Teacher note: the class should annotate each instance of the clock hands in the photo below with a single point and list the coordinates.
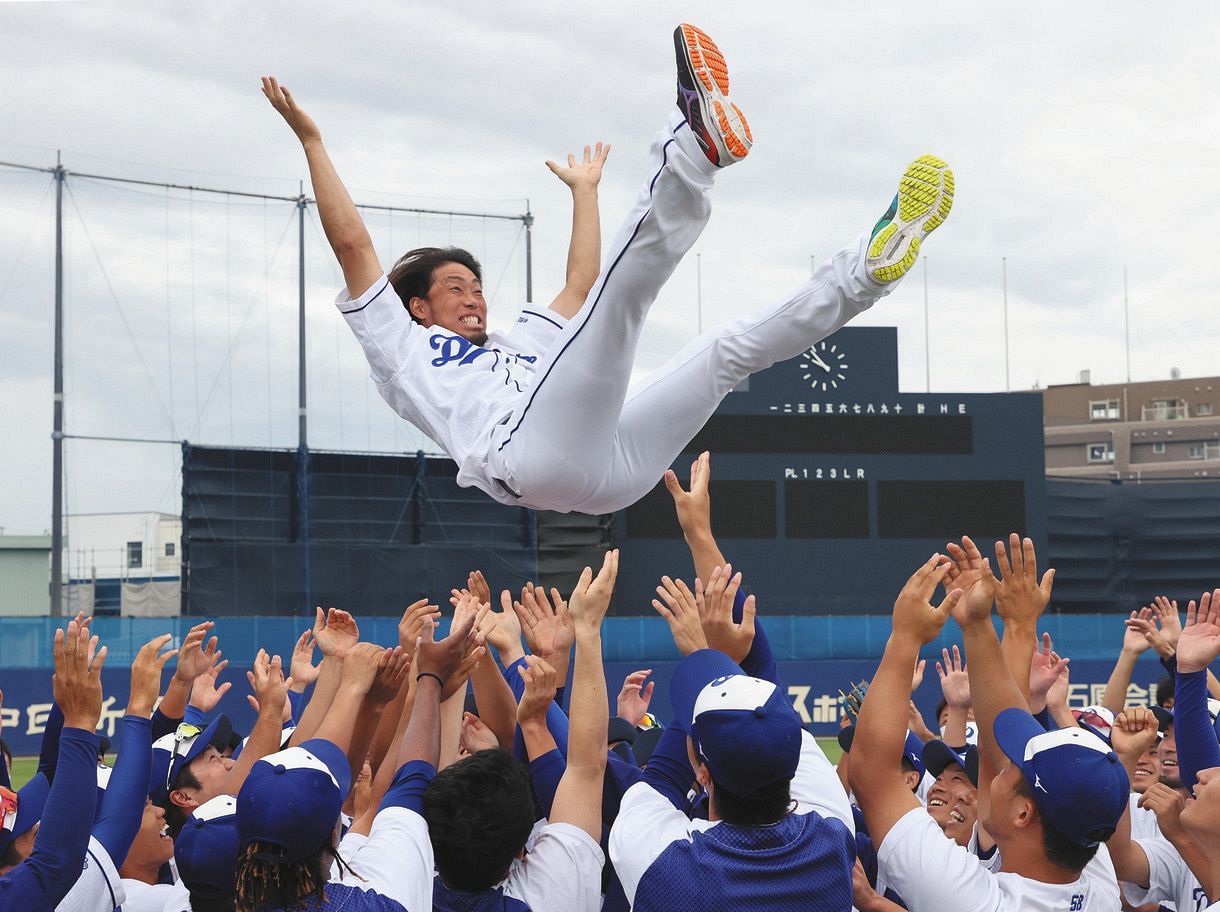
(816, 359)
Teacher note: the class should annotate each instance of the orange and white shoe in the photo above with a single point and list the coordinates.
(703, 98)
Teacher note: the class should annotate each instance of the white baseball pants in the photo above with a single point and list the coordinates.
(577, 443)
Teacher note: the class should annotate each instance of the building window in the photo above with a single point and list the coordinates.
(1197, 451)
(135, 555)
(1103, 410)
(1158, 447)
(1203, 409)
(169, 547)
(1101, 452)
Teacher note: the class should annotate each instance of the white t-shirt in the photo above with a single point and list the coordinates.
(142, 897)
(562, 871)
(1169, 879)
(935, 874)
(99, 888)
(454, 391)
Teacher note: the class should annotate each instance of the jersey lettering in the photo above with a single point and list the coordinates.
(454, 348)
(1077, 903)
(1200, 898)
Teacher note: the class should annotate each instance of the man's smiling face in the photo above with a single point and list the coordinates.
(454, 302)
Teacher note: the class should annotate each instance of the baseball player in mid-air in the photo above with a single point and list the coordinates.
(539, 417)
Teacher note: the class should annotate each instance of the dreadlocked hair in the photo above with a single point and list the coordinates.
(263, 882)
(275, 884)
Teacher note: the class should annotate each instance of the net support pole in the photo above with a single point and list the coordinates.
(528, 219)
(304, 532)
(57, 420)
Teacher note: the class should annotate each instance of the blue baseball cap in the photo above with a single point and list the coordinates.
(939, 756)
(176, 751)
(912, 750)
(743, 728)
(206, 849)
(1077, 781)
(291, 799)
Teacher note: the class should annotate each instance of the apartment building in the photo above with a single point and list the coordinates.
(1151, 429)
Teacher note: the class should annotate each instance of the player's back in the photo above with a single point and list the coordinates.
(339, 897)
(802, 862)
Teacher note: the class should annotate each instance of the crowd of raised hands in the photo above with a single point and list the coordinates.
(484, 766)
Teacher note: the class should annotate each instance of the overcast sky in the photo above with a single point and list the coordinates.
(1084, 138)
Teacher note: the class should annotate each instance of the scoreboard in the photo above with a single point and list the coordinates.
(829, 486)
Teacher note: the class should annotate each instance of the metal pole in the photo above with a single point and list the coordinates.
(1127, 324)
(529, 253)
(57, 421)
(301, 413)
(1004, 268)
(927, 333)
(699, 291)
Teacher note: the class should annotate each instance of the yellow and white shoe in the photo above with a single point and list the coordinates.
(925, 196)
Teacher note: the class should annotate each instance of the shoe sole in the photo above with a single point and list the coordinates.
(727, 123)
(925, 196)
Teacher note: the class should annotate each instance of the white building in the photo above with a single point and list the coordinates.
(124, 563)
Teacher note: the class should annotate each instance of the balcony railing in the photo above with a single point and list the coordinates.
(1163, 412)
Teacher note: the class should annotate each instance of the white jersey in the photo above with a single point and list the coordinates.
(454, 391)
(935, 874)
(99, 887)
(1143, 820)
(1169, 879)
(142, 897)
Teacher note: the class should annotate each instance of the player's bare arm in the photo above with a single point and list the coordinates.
(344, 228)
(875, 772)
(585, 248)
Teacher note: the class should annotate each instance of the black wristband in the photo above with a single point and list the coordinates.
(428, 674)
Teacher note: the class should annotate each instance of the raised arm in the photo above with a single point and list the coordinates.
(875, 771)
(585, 248)
(1114, 698)
(578, 800)
(344, 228)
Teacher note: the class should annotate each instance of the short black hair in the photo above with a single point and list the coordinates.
(480, 812)
(175, 816)
(1164, 690)
(940, 708)
(767, 805)
(1060, 850)
(412, 274)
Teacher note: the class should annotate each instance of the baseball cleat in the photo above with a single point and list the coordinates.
(925, 196)
(703, 98)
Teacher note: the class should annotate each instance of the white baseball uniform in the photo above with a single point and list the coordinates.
(935, 874)
(540, 417)
(99, 888)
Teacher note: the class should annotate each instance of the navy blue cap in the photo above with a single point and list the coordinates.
(292, 799)
(743, 728)
(1077, 782)
(174, 752)
(206, 849)
(938, 756)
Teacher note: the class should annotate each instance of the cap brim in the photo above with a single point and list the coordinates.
(937, 756)
(1015, 728)
(694, 673)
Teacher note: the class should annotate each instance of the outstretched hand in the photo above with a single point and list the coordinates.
(591, 598)
(694, 507)
(635, 695)
(146, 675)
(335, 631)
(680, 610)
(281, 99)
(914, 615)
(1020, 595)
(715, 602)
(587, 172)
(1199, 643)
